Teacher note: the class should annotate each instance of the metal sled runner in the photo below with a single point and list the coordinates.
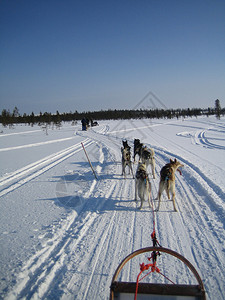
(120, 290)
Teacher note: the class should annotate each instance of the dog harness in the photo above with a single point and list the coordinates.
(167, 172)
(142, 174)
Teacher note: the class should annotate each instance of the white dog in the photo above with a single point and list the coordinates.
(148, 157)
(167, 180)
(142, 184)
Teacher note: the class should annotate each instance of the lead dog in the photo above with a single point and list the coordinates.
(126, 159)
(142, 184)
(147, 156)
(125, 144)
(167, 180)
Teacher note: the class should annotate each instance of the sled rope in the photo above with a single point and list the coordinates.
(144, 267)
(153, 257)
(153, 267)
(153, 235)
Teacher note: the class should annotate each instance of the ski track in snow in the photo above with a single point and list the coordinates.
(36, 144)
(79, 259)
(19, 177)
(19, 133)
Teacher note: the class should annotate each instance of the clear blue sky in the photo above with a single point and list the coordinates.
(92, 55)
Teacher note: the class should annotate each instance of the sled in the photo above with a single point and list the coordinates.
(120, 290)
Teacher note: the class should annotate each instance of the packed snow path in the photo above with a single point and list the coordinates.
(63, 233)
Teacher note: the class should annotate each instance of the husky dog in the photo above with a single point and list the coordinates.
(167, 180)
(147, 156)
(125, 145)
(142, 184)
(137, 148)
(126, 159)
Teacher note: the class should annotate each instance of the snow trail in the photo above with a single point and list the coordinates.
(19, 133)
(78, 256)
(42, 166)
(36, 144)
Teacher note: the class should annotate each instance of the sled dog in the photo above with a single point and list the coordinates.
(126, 159)
(142, 184)
(148, 157)
(125, 145)
(137, 148)
(167, 180)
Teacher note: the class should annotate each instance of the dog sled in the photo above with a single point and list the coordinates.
(120, 290)
(152, 289)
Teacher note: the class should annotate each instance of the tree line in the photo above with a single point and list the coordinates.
(8, 118)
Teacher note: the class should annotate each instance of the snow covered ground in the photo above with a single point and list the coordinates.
(63, 233)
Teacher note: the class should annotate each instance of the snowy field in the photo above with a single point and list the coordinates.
(63, 233)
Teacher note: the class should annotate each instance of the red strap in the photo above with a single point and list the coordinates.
(179, 171)
(144, 267)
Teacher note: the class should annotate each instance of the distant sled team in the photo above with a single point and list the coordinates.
(142, 183)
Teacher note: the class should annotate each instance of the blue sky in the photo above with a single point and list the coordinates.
(90, 55)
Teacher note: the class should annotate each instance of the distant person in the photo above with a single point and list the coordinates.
(84, 124)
